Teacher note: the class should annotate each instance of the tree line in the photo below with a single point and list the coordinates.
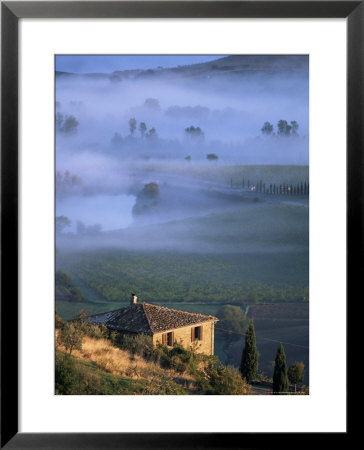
(282, 375)
(273, 188)
(283, 128)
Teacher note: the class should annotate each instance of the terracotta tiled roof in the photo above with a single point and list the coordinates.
(148, 319)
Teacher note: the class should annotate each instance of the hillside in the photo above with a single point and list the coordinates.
(238, 65)
(127, 373)
(131, 365)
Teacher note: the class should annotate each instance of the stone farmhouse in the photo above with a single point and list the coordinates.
(164, 325)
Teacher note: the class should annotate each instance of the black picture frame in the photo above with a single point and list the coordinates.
(11, 12)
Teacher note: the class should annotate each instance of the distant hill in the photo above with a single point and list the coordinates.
(236, 65)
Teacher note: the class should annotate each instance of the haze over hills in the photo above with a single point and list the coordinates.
(235, 64)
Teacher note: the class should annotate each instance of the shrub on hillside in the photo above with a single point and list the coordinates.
(217, 379)
(139, 344)
(66, 376)
(58, 322)
(73, 378)
(87, 328)
(163, 387)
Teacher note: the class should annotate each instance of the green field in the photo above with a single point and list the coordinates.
(227, 174)
(255, 253)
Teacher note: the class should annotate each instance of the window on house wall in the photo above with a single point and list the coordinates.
(196, 333)
(168, 338)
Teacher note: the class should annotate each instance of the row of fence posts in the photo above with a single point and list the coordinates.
(273, 189)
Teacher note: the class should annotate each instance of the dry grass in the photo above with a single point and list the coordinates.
(120, 362)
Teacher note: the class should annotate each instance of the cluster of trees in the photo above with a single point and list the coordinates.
(194, 133)
(63, 222)
(151, 104)
(66, 124)
(209, 157)
(67, 183)
(64, 280)
(232, 318)
(147, 199)
(142, 129)
(282, 375)
(283, 128)
(67, 179)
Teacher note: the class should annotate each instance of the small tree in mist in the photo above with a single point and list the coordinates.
(152, 103)
(142, 129)
(283, 128)
(152, 133)
(267, 128)
(249, 360)
(212, 157)
(150, 190)
(62, 222)
(280, 375)
(296, 373)
(117, 139)
(69, 125)
(294, 126)
(132, 125)
(59, 120)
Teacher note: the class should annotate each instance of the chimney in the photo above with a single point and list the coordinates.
(133, 299)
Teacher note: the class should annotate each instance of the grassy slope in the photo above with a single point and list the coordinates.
(123, 373)
(108, 384)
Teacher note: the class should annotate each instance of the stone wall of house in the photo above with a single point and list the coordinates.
(183, 336)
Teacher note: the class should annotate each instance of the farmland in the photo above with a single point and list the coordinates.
(244, 251)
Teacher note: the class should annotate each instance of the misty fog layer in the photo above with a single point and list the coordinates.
(180, 131)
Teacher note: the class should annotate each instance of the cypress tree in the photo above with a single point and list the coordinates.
(280, 375)
(249, 360)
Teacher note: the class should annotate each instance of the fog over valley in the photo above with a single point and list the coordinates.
(187, 185)
(181, 128)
